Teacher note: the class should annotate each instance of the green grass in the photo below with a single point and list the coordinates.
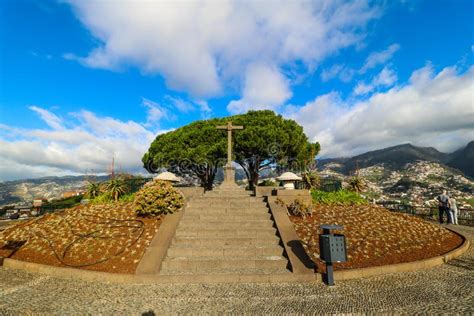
(129, 197)
(469, 201)
(105, 198)
(64, 203)
(337, 197)
(102, 198)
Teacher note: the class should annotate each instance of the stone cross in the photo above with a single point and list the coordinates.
(229, 127)
(229, 170)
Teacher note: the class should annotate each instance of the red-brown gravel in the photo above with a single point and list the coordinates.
(375, 236)
(108, 238)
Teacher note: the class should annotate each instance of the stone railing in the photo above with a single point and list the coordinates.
(465, 215)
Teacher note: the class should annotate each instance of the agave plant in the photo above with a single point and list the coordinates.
(116, 187)
(93, 189)
(356, 184)
(310, 180)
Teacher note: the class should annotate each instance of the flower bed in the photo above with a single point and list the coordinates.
(104, 237)
(375, 236)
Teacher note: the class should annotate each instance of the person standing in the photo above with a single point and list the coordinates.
(443, 206)
(454, 210)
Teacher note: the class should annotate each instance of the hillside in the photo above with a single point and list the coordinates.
(19, 191)
(24, 191)
(407, 173)
(463, 160)
(396, 157)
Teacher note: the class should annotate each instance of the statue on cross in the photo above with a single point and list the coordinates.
(228, 169)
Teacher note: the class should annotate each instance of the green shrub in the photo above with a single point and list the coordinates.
(267, 183)
(337, 197)
(158, 198)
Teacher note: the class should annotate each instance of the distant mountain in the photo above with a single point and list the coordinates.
(25, 190)
(397, 157)
(463, 160)
(22, 191)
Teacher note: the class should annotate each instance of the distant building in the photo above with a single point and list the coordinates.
(68, 194)
(20, 210)
(38, 202)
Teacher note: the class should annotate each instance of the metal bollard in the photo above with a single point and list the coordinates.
(332, 248)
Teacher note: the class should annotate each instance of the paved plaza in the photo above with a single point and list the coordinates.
(445, 289)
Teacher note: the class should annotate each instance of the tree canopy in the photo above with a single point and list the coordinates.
(195, 149)
(200, 149)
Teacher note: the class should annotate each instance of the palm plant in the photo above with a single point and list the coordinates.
(116, 187)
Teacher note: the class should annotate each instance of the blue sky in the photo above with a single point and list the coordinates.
(84, 81)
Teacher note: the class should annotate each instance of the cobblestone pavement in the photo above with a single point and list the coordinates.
(445, 289)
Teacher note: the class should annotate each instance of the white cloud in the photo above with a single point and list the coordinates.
(385, 78)
(204, 107)
(431, 110)
(379, 58)
(88, 143)
(180, 104)
(200, 47)
(363, 88)
(170, 106)
(49, 118)
(345, 74)
(264, 88)
(155, 112)
(11, 170)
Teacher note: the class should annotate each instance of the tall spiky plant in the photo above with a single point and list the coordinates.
(310, 179)
(93, 189)
(116, 187)
(356, 184)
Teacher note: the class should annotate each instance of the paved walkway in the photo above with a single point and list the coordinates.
(445, 289)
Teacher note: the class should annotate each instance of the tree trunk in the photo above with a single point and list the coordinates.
(207, 179)
(253, 181)
(253, 172)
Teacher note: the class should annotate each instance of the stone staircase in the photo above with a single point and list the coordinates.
(225, 232)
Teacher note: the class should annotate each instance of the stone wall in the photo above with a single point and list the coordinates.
(285, 195)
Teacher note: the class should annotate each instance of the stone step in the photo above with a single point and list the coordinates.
(201, 241)
(229, 198)
(223, 210)
(170, 266)
(220, 204)
(231, 216)
(225, 223)
(216, 197)
(216, 232)
(228, 193)
(233, 251)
